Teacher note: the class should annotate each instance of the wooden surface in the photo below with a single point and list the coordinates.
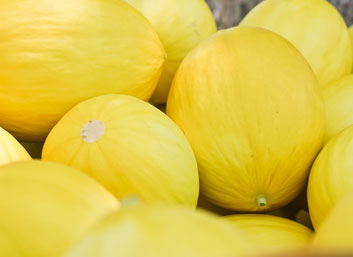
(228, 13)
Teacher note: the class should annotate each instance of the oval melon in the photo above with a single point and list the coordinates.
(315, 27)
(142, 231)
(272, 234)
(46, 207)
(331, 176)
(181, 25)
(129, 146)
(253, 114)
(55, 54)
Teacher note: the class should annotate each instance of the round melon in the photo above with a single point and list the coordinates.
(338, 106)
(10, 149)
(315, 27)
(181, 25)
(331, 176)
(130, 147)
(335, 234)
(141, 231)
(272, 234)
(251, 108)
(55, 54)
(46, 207)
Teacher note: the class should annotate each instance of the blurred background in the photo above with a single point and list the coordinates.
(228, 13)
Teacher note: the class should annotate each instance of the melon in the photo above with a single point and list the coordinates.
(130, 147)
(252, 110)
(272, 234)
(55, 54)
(150, 231)
(46, 207)
(315, 27)
(10, 149)
(331, 176)
(338, 106)
(181, 25)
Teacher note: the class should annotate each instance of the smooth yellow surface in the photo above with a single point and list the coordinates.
(55, 54)
(338, 98)
(315, 27)
(181, 25)
(10, 149)
(272, 234)
(331, 176)
(46, 207)
(162, 231)
(251, 109)
(336, 233)
(142, 152)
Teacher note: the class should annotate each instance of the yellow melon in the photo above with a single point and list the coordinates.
(335, 234)
(338, 106)
(46, 207)
(272, 234)
(331, 176)
(55, 54)
(315, 27)
(251, 108)
(129, 146)
(141, 231)
(181, 25)
(10, 149)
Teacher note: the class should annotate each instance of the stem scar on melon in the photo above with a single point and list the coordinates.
(92, 131)
(261, 200)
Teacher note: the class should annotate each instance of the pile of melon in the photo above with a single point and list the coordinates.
(155, 135)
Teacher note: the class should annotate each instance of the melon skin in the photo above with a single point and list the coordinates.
(54, 55)
(338, 106)
(272, 234)
(130, 147)
(335, 234)
(10, 149)
(181, 25)
(46, 207)
(155, 230)
(315, 28)
(331, 176)
(254, 150)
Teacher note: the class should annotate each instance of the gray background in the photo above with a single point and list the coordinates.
(229, 13)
